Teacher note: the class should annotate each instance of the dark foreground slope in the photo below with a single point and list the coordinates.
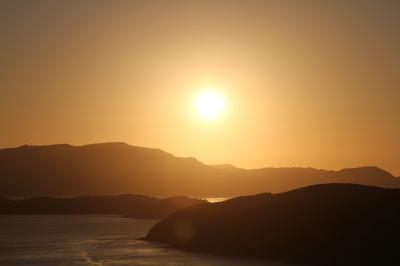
(118, 168)
(321, 224)
(132, 206)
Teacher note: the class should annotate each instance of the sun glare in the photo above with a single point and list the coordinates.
(209, 104)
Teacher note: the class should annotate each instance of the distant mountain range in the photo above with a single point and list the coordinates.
(328, 224)
(131, 206)
(118, 168)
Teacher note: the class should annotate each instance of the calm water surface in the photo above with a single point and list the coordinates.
(53, 240)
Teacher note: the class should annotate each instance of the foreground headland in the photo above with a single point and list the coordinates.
(331, 224)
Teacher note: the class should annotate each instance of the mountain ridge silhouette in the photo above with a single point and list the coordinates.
(118, 168)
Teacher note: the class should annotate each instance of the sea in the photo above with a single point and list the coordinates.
(93, 240)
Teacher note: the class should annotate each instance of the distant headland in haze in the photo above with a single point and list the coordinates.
(130, 206)
(118, 168)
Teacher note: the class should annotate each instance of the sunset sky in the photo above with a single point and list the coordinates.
(310, 84)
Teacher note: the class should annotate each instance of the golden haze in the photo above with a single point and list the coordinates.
(305, 86)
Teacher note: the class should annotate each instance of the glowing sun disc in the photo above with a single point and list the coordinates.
(209, 104)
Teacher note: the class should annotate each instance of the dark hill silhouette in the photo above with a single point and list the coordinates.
(118, 168)
(6, 205)
(163, 207)
(98, 169)
(132, 206)
(330, 224)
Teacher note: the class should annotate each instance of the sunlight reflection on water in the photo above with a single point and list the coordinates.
(91, 240)
(213, 200)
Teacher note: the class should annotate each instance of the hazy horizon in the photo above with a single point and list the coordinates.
(307, 84)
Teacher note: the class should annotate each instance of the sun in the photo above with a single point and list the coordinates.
(209, 104)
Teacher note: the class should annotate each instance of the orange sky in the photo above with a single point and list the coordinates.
(315, 83)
